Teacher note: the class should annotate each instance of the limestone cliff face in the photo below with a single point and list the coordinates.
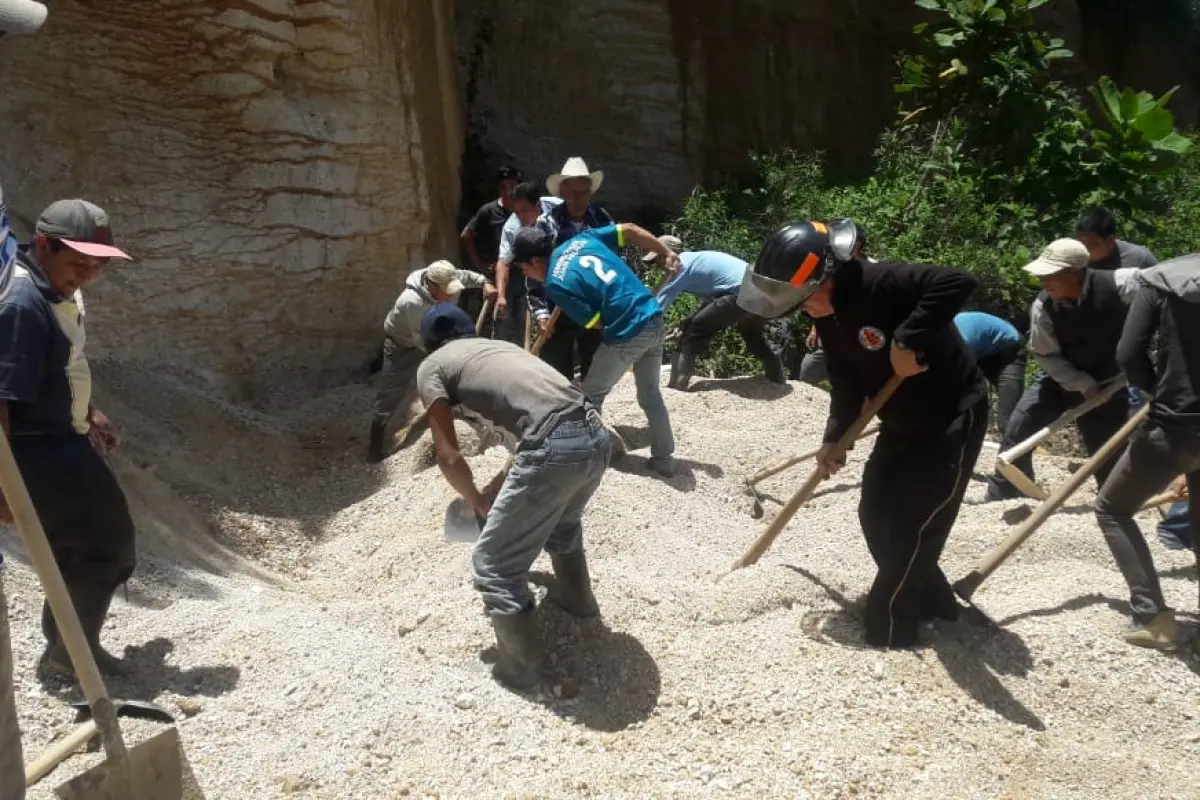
(661, 94)
(276, 166)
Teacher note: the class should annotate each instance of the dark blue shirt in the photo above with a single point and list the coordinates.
(35, 353)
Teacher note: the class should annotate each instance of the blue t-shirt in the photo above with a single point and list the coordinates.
(984, 334)
(706, 274)
(593, 286)
(36, 375)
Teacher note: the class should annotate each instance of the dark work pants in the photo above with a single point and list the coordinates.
(912, 489)
(398, 384)
(84, 513)
(698, 330)
(1154, 458)
(559, 350)
(511, 328)
(1005, 371)
(1042, 403)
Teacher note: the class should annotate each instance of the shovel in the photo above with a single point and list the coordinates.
(151, 770)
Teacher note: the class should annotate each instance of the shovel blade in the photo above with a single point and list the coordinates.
(462, 525)
(155, 773)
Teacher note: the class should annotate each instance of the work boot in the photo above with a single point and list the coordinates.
(683, 364)
(574, 590)
(1158, 633)
(375, 452)
(773, 370)
(91, 603)
(519, 649)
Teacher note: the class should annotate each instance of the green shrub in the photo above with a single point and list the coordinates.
(998, 159)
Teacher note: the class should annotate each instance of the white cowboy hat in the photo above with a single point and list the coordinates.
(575, 167)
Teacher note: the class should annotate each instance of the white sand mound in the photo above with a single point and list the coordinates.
(321, 639)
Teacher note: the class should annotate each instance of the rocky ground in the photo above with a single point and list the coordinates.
(317, 636)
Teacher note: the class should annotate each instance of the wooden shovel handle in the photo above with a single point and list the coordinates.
(58, 752)
(967, 586)
(768, 537)
(483, 315)
(69, 628)
(788, 463)
(541, 341)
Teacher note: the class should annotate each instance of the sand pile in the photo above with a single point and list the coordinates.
(320, 638)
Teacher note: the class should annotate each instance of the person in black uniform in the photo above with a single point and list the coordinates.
(875, 320)
(1074, 326)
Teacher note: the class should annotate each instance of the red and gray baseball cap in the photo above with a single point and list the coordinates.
(81, 226)
(21, 16)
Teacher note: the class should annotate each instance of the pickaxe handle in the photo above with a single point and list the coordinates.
(968, 585)
(1063, 421)
(768, 537)
(483, 315)
(788, 463)
(537, 346)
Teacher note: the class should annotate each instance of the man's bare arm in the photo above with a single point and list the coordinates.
(450, 458)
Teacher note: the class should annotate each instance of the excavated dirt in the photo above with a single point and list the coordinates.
(318, 637)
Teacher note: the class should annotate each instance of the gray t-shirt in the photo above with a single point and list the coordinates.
(500, 382)
(1126, 255)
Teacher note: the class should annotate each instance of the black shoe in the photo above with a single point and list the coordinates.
(375, 452)
(574, 589)
(682, 366)
(518, 648)
(92, 602)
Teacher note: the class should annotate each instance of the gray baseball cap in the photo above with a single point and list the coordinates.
(81, 226)
(21, 16)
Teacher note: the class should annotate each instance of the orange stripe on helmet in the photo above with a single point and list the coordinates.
(805, 270)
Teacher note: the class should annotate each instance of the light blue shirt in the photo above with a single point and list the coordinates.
(705, 273)
(985, 334)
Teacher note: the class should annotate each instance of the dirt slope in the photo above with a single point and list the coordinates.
(325, 640)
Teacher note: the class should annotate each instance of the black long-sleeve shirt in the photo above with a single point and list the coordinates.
(914, 305)
(1175, 380)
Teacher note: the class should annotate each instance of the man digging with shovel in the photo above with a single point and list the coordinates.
(877, 321)
(562, 452)
(1167, 303)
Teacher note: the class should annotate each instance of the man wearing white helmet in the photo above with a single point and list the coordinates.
(16, 17)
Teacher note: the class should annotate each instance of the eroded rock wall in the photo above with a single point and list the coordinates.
(661, 94)
(276, 166)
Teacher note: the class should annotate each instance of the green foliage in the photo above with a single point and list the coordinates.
(990, 158)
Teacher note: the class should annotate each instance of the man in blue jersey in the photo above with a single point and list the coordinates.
(715, 278)
(586, 278)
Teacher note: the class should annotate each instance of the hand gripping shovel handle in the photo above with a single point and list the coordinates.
(967, 586)
(537, 346)
(1063, 421)
(30, 527)
(768, 537)
(786, 464)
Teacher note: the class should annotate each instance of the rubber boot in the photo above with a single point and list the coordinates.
(574, 590)
(375, 452)
(92, 603)
(683, 364)
(773, 370)
(1158, 633)
(519, 649)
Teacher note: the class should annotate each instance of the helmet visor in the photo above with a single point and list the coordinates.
(769, 298)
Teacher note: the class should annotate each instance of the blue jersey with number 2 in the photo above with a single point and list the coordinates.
(594, 287)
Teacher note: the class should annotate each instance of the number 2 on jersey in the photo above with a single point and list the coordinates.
(597, 266)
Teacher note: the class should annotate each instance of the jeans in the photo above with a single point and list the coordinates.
(1154, 458)
(1005, 371)
(398, 384)
(643, 353)
(1042, 403)
(12, 768)
(1175, 531)
(540, 506)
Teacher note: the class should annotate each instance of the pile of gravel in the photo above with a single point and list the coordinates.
(319, 638)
